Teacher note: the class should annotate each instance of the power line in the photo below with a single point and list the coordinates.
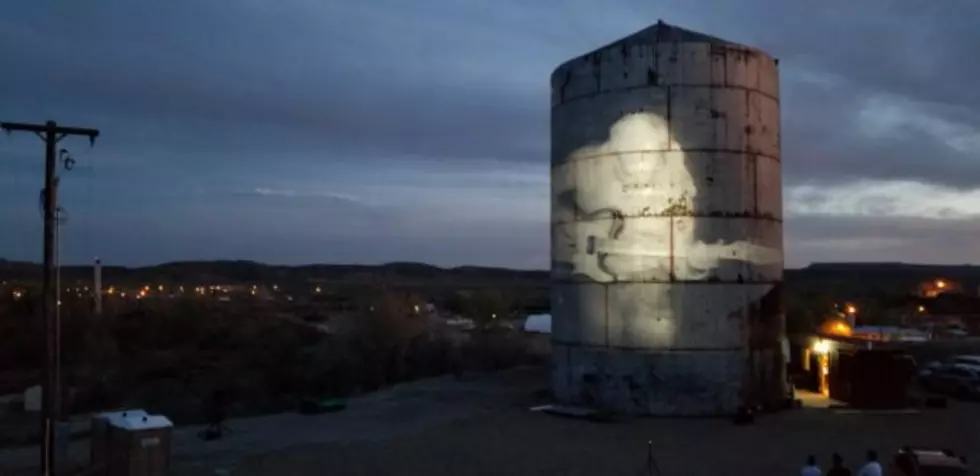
(51, 133)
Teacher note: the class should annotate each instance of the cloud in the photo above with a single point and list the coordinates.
(351, 131)
(883, 199)
(871, 238)
(269, 192)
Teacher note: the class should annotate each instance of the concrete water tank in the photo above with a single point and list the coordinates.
(667, 239)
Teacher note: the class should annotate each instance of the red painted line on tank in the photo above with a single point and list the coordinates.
(672, 274)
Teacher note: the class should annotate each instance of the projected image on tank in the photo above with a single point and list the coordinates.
(624, 211)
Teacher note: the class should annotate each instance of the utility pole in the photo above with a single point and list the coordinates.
(51, 133)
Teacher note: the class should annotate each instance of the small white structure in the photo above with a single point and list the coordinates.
(142, 422)
(32, 399)
(538, 323)
(461, 323)
(890, 334)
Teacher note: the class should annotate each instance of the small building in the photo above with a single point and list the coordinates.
(860, 372)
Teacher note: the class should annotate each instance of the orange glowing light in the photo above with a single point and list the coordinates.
(940, 284)
(851, 309)
(836, 327)
(922, 309)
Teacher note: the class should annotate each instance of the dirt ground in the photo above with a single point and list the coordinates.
(482, 426)
(516, 442)
(503, 437)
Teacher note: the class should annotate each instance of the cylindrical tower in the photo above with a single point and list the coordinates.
(666, 230)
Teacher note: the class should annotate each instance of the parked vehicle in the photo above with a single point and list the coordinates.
(957, 379)
(929, 368)
(973, 360)
(926, 462)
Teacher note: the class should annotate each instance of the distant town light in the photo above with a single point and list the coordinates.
(317, 290)
(851, 309)
(18, 294)
(416, 308)
(160, 288)
(940, 284)
(922, 309)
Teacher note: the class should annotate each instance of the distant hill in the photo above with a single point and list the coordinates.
(246, 272)
(880, 277)
(834, 277)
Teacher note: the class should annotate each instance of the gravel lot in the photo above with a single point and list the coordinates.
(481, 426)
(502, 437)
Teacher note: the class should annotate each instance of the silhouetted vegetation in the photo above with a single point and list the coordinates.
(170, 356)
(172, 359)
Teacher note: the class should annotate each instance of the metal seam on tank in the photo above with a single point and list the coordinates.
(720, 216)
(650, 350)
(724, 67)
(617, 154)
(672, 275)
(605, 312)
(755, 185)
(733, 87)
(685, 282)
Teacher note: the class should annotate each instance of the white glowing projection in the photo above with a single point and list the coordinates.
(624, 212)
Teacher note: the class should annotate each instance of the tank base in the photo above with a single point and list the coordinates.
(675, 383)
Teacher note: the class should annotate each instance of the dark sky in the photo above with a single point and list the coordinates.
(298, 131)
